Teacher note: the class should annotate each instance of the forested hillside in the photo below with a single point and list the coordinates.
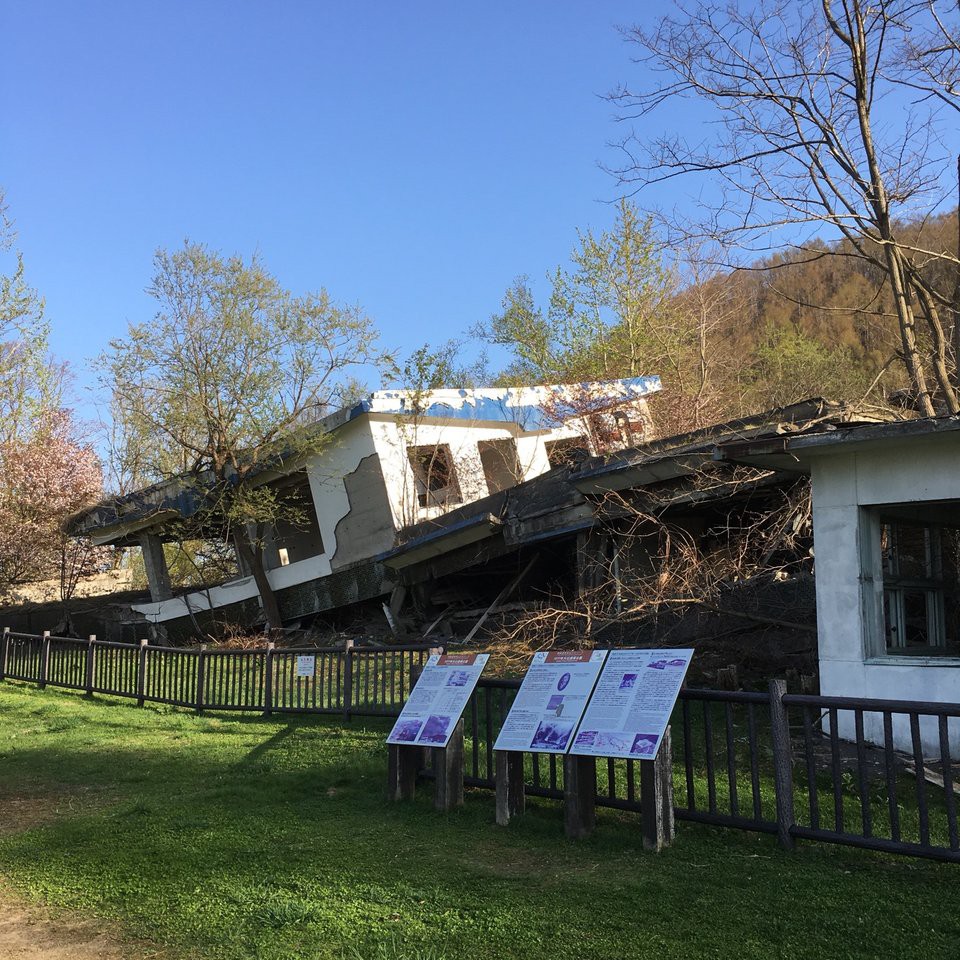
(725, 342)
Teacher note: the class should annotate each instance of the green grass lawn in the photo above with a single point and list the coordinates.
(229, 837)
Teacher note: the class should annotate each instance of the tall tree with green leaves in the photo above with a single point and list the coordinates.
(224, 383)
(604, 319)
(621, 309)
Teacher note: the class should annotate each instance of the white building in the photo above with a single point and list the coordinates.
(886, 523)
(393, 460)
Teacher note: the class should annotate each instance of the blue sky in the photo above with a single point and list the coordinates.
(411, 157)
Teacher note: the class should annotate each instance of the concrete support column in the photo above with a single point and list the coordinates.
(155, 565)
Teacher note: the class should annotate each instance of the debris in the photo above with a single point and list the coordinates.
(501, 596)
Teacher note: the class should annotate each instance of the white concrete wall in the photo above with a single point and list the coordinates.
(340, 457)
(922, 469)
(393, 435)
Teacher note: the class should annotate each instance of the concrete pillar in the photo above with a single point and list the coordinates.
(155, 565)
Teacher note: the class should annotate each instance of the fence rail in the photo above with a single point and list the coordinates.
(879, 774)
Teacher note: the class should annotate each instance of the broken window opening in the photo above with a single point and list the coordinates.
(434, 475)
(296, 534)
(501, 463)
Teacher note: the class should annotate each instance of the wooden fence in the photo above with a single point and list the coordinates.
(770, 761)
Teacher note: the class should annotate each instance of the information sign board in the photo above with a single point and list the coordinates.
(438, 699)
(550, 701)
(306, 666)
(631, 703)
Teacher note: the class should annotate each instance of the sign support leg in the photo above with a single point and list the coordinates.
(656, 797)
(511, 794)
(448, 767)
(403, 765)
(579, 796)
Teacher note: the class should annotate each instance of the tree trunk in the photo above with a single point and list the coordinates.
(908, 331)
(253, 560)
(941, 365)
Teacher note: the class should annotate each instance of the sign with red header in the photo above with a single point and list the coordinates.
(437, 701)
(550, 701)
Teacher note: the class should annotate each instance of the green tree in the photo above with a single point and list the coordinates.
(31, 384)
(619, 310)
(604, 320)
(789, 366)
(224, 383)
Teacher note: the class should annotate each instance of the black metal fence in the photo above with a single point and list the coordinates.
(367, 680)
(879, 774)
(797, 766)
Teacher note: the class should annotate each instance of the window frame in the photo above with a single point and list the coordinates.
(882, 594)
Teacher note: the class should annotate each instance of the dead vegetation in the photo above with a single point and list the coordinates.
(656, 570)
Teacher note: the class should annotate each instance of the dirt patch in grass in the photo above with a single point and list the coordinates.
(33, 933)
(27, 810)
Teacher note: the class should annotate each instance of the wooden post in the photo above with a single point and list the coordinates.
(201, 677)
(268, 681)
(656, 797)
(347, 677)
(142, 673)
(403, 765)
(511, 792)
(782, 763)
(448, 770)
(89, 664)
(5, 653)
(579, 796)
(44, 659)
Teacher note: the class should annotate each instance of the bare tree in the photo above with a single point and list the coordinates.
(819, 131)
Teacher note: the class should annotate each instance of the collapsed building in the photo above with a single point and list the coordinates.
(393, 460)
(663, 542)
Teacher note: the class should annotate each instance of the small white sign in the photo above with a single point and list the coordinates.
(437, 701)
(631, 704)
(306, 666)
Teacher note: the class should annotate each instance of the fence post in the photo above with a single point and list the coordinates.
(268, 681)
(5, 653)
(44, 659)
(201, 677)
(656, 797)
(782, 763)
(88, 672)
(142, 673)
(347, 677)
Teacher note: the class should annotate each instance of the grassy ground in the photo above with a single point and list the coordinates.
(223, 837)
